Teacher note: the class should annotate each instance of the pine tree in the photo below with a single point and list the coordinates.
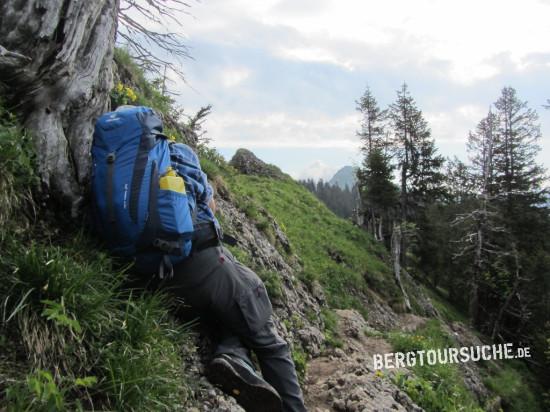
(481, 147)
(458, 183)
(518, 178)
(372, 122)
(427, 181)
(415, 152)
(521, 197)
(372, 136)
(378, 192)
(419, 165)
(484, 245)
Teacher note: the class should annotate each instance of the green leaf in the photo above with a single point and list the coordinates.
(86, 382)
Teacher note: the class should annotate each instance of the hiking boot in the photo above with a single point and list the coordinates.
(238, 379)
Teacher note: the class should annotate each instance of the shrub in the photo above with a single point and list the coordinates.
(273, 283)
(299, 357)
(330, 320)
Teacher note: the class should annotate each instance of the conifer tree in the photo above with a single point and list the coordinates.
(378, 192)
(518, 177)
(458, 184)
(372, 122)
(484, 244)
(418, 163)
(372, 136)
(415, 152)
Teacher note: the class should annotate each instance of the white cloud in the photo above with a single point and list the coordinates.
(450, 128)
(232, 77)
(316, 171)
(313, 54)
(360, 34)
(281, 129)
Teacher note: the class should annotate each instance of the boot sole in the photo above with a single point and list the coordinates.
(252, 397)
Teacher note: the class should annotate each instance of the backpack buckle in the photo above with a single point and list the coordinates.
(169, 246)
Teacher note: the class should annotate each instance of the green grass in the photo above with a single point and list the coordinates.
(147, 91)
(62, 307)
(330, 320)
(17, 172)
(299, 357)
(439, 387)
(273, 283)
(343, 258)
(445, 308)
(514, 384)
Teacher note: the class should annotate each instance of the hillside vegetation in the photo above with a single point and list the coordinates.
(336, 253)
(75, 336)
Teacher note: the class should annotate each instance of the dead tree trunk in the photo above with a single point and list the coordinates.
(396, 241)
(55, 73)
(508, 300)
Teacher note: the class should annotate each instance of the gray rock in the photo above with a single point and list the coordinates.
(312, 339)
(247, 163)
(317, 292)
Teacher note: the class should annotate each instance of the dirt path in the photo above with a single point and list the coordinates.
(345, 380)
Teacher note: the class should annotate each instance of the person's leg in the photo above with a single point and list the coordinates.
(277, 366)
(230, 344)
(260, 336)
(214, 282)
(199, 282)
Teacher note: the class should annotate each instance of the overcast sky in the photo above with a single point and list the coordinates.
(283, 75)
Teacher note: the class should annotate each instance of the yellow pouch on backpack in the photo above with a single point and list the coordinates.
(171, 181)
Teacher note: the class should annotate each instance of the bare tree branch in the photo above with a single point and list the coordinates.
(154, 49)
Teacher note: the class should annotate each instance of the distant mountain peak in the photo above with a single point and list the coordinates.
(344, 177)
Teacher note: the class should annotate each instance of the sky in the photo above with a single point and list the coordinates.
(283, 75)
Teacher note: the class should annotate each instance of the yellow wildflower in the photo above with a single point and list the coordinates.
(379, 373)
(130, 94)
(119, 87)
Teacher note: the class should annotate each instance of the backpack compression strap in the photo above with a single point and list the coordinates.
(146, 143)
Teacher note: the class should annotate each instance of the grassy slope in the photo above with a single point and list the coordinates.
(345, 260)
(509, 380)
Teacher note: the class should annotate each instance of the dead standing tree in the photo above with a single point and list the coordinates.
(141, 31)
(485, 247)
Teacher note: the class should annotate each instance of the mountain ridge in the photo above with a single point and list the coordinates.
(344, 177)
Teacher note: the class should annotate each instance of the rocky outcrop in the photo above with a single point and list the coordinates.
(247, 163)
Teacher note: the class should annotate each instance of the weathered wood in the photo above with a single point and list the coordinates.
(396, 241)
(56, 73)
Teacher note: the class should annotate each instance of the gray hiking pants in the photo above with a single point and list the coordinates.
(217, 286)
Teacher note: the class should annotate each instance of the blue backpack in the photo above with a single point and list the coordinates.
(139, 200)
